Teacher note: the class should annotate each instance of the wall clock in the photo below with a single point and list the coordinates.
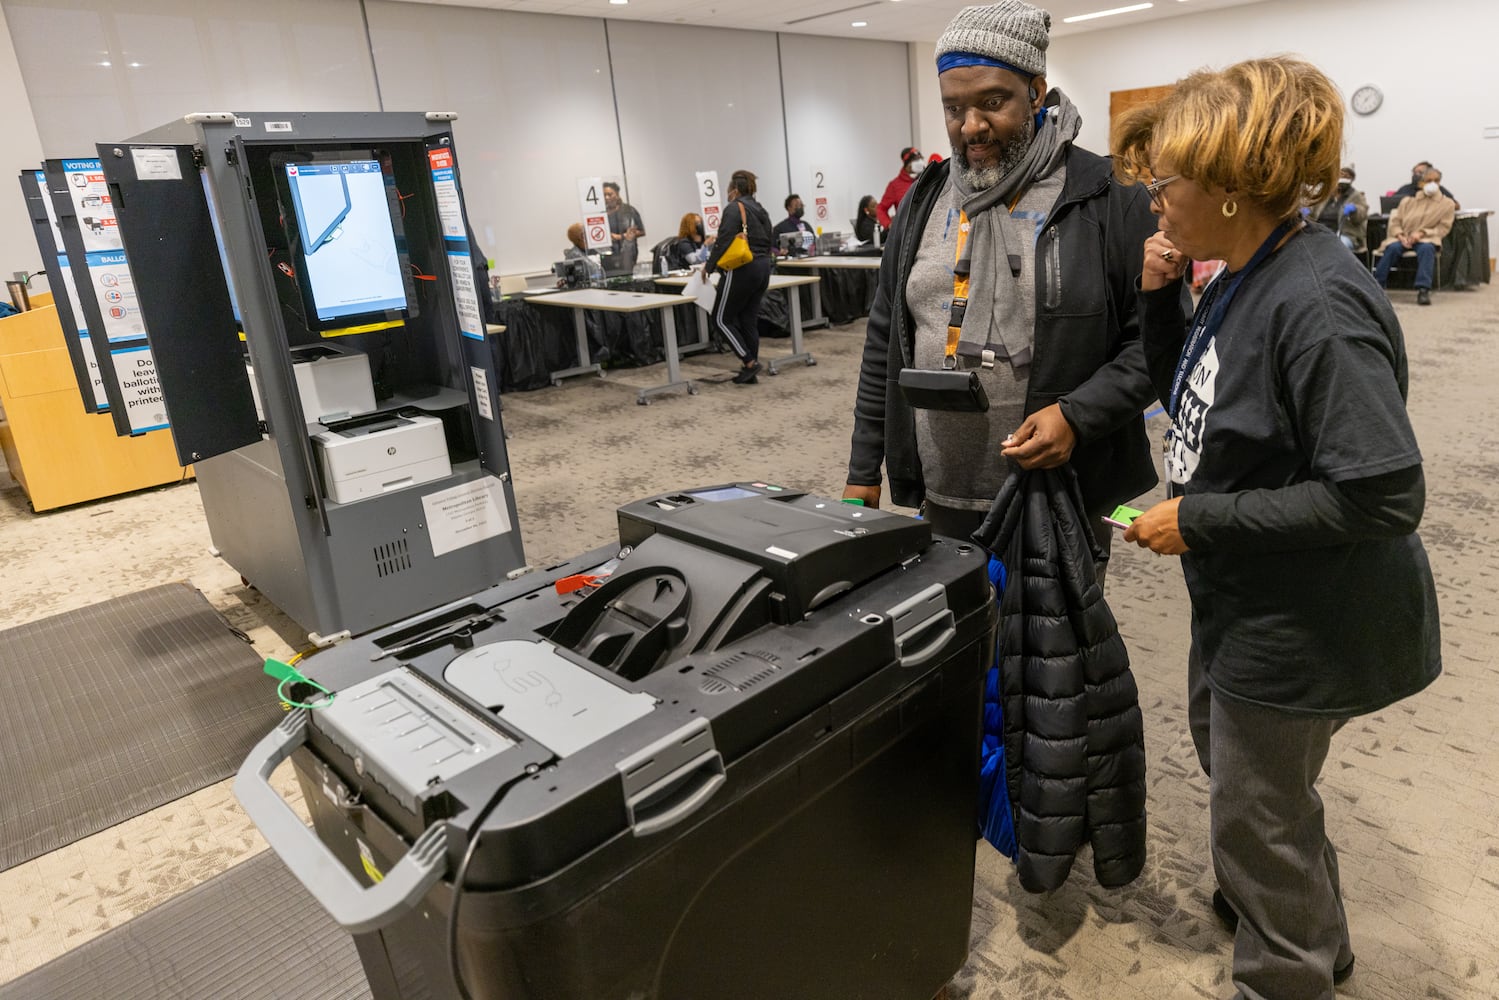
(1367, 99)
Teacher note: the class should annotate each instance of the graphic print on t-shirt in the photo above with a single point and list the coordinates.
(1185, 448)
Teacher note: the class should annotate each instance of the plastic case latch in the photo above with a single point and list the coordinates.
(669, 780)
(923, 625)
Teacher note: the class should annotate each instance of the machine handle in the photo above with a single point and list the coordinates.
(357, 908)
(945, 629)
(702, 777)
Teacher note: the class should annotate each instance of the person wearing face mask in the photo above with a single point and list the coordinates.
(1345, 211)
(793, 222)
(1418, 178)
(1050, 259)
(1419, 223)
(691, 245)
(911, 166)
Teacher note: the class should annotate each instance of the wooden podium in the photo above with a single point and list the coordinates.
(58, 452)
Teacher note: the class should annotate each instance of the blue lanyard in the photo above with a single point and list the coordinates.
(1213, 308)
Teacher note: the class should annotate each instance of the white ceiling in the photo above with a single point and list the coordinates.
(893, 20)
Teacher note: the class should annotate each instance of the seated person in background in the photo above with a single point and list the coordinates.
(911, 166)
(627, 226)
(1418, 178)
(793, 222)
(866, 221)
(1346, 212)
(579, 251)
(691, 245)
(1418, 224)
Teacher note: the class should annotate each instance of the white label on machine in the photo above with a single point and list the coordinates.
(481, 392)
(135, 369)
(466, 515)
(449, 206)
(711, 199)
(156, 164)
(461, 269)
(92, 204)
(109, 274)
(113, 288)
(781, 553)
(278, 126)
(595, 215)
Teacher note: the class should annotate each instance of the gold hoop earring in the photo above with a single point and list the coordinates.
(1230, 208)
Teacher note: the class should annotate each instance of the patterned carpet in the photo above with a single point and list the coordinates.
(1410, 791)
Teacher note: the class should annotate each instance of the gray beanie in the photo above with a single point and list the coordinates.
(1012, 32)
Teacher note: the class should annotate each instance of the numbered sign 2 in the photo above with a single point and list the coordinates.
(822, 198)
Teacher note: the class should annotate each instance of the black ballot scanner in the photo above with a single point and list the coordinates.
(732, 757)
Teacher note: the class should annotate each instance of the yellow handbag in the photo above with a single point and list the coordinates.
(738, 253)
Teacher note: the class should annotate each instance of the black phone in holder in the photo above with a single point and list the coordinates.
(954, 391)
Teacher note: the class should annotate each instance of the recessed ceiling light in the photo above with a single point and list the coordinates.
(104, 63)
(619, 3)
(1108, 13)
(861, 24)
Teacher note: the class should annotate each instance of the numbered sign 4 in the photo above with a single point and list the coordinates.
(594, 216)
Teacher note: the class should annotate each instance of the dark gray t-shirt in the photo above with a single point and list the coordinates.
(1305, 380)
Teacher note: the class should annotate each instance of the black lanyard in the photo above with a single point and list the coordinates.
(1212, 310)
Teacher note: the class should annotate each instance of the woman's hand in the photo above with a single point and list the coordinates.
(1157, 529)
(1164, 263)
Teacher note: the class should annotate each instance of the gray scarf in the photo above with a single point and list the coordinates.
(994, 237)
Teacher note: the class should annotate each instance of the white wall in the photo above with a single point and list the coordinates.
(535, 110)
(535, 95)
(926, 101)
(1435, 112)
(694, 99)
(18, 250)
(102, 70)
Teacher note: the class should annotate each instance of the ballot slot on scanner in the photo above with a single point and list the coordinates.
(651, 738)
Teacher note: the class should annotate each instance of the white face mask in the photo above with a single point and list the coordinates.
(1432, 188)
(916, 167)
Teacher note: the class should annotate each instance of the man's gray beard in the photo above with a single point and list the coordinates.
(1010, 155)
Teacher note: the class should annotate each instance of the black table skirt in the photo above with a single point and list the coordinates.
(1465, 253)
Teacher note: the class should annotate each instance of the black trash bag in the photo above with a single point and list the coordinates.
(775, 314)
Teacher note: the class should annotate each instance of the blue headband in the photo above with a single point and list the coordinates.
(952, 60)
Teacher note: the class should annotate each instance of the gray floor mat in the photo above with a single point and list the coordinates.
(118, 708)
(252, 933)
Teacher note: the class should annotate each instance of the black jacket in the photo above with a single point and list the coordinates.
(760, 232)
(1087, 355)
(1073, 734)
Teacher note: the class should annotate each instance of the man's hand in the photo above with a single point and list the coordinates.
(1044, 441)
(1157, 529)
(633, 233)
(869, 494)
(1164, 263)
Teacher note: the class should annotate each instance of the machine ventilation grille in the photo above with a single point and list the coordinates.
(392, 558)
(739, 672)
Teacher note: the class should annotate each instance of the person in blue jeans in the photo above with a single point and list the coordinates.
(1419, 223)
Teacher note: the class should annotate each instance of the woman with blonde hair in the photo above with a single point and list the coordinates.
(1295, 489)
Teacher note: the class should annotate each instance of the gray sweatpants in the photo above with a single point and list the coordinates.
(1271, 854)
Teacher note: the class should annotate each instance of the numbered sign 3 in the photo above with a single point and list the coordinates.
(710, 196)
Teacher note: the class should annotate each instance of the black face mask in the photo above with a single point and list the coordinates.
(1416, 179)
(1343, 186)
(701, 234)
(798, 212)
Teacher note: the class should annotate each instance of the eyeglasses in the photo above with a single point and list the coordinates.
(1154, 188)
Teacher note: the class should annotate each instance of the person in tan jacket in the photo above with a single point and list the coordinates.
(1418, 224)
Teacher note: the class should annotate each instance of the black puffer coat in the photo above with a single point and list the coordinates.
(1074, 739)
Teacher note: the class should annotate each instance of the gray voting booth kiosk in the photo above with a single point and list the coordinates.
(309, 296)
